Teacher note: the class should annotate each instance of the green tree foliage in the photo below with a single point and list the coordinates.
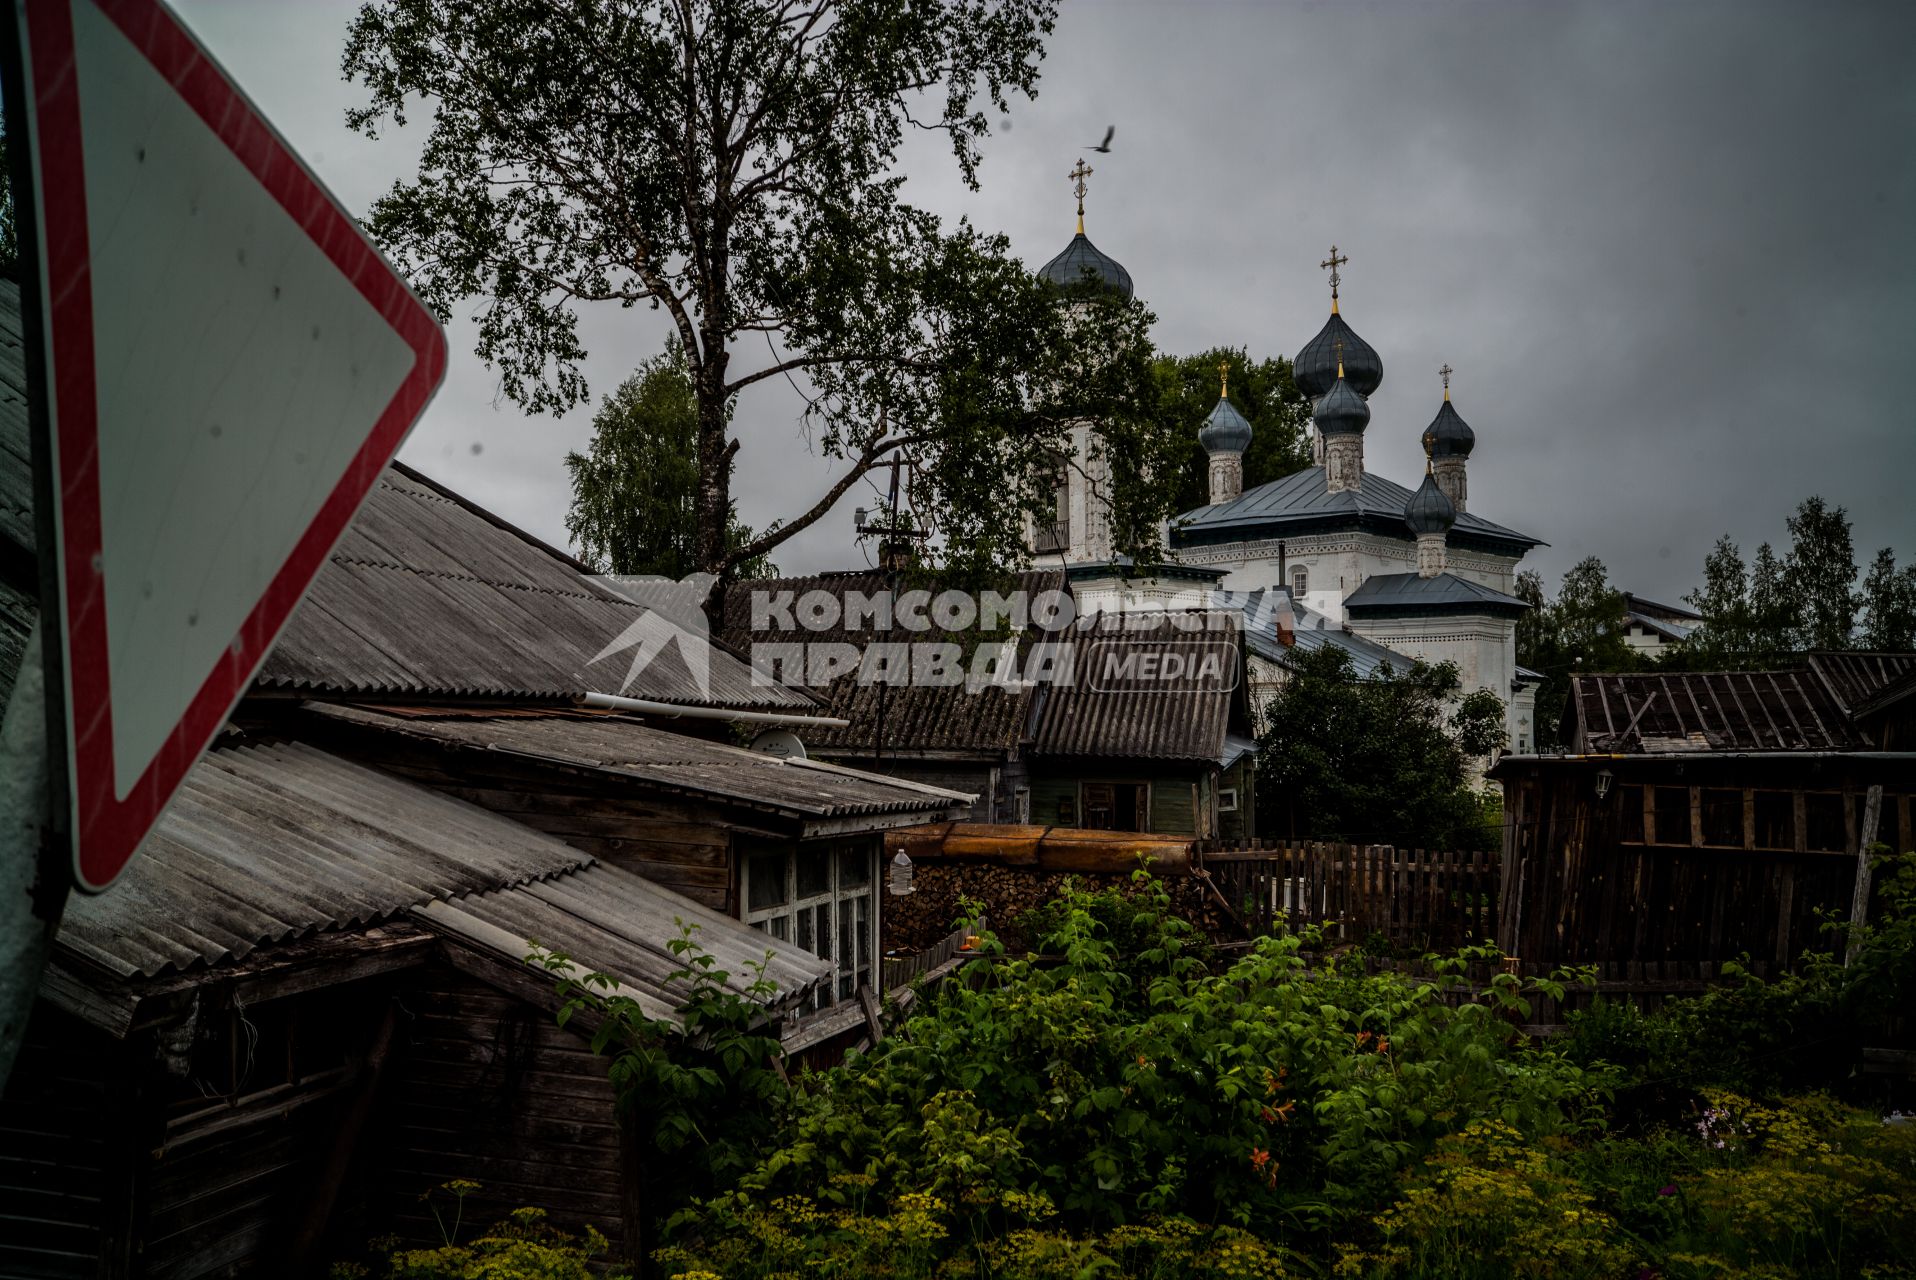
(1804, 599)
(1820, 573)
(1889, 604)
(1382, 760)
(1262, 390)
(1133, 1075)
(633, 490)
(732, 164)
(1580, 631)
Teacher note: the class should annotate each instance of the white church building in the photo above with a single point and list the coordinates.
(1333, 554)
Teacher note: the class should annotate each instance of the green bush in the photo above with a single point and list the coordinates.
(522, 1247)
(1130, 1076)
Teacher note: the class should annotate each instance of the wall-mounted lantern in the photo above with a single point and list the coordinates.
(1604, 779)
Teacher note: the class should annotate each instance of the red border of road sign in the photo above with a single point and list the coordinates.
(106, 829)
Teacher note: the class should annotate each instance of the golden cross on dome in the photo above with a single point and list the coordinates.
(1445, 373)
(1333, 263)
(1079, 172)
(1338, 344)
(1223, 379)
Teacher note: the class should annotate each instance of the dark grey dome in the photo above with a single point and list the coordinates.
(1448, 435)
(1428, 510)
(1341, 411)
(1226, 430)
(1315, 367)
(1081, 264)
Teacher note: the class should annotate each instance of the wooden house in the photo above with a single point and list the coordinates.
(1153, 731)
(306, 1005)
(1698, 817)
(307, 1001)
(971, 739)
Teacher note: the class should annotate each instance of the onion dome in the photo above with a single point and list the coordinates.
(1081, 265)
(1428, 510)
(1448, 435)
(1226, 430)
(1340, 411)
(1315, 367)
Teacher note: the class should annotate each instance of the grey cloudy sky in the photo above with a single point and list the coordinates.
(1667, 247)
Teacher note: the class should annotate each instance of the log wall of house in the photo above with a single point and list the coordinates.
(54, 1156)
(488, 1088)
(682, 844)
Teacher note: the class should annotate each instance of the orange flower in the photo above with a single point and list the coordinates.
(1259, 1158)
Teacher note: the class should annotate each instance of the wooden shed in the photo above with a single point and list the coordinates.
(1698, 818)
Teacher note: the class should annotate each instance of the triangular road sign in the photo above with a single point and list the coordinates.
(230, 364)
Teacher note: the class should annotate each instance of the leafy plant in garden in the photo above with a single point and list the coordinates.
(1135, 1077)
(522, 1247)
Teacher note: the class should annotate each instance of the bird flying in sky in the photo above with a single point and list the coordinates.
(1105, 146)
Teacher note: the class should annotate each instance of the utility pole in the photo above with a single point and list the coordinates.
(894, 540)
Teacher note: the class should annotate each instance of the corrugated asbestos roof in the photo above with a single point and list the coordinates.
(426, 594)
(1303, 497)
(1393, 593)
(269, 843)
(1856, 680)
(988, 719)
(1112, 709)
(1708, 711)
(801, 788)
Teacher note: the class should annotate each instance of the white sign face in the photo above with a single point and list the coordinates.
(231, 365)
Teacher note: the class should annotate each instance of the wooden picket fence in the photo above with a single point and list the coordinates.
(1414, 899)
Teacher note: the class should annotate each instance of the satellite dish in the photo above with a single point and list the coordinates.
(782, 743)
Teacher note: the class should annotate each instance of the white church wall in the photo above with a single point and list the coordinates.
(1484, 649)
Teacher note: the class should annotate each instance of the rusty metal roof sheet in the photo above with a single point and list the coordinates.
(986, 719)
(1707, 711)
(803, 789)
(1126, 697)
(1857, 679)
(273, 842)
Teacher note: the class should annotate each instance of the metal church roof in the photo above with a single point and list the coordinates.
(1302, 503)
(1314, 367)
(1081, 264)
(1309, 630)
(1396, 594)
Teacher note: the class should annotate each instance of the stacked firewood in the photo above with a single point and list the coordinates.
(1006, 893)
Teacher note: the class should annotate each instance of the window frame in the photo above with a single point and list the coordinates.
(863, 966)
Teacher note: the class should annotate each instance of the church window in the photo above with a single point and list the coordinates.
(1300, 580)
(1056, 535)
